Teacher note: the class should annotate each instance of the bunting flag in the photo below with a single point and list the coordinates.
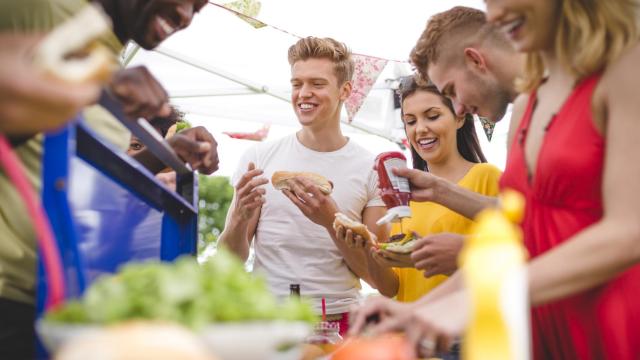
(487, 126)
(367, 68)
(251, 4)
(247, 10)
(366, 72)
(404, 144)
(258, 135)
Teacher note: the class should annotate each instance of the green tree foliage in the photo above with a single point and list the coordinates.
(215, 195)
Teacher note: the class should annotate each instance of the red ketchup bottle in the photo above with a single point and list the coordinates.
(395, 190)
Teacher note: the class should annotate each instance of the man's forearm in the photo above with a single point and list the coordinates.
(463, 201)
(356, 260)
(236, 239)
(590, 258)
(383, 278)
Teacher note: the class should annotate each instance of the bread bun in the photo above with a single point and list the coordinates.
(136, 340)
(356, 227)
(171, 131)
(280, 180)
(71, 53)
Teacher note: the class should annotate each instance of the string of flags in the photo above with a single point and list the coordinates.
(366, 72)
(487, 126)
(246, 10)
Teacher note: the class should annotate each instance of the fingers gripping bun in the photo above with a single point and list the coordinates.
(354, 226)
(71, 53)
(280, 180)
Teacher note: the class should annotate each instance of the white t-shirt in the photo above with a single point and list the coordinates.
(291, 249)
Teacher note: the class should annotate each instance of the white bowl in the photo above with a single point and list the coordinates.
(53, 335)
(228, 341)
(256, 340)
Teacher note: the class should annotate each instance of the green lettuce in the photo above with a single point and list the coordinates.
(184, 291)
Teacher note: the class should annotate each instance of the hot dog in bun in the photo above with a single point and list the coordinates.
(71, 51)
(280, 180)
(356, 227)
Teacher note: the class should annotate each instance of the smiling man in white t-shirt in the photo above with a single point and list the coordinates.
(294, 240)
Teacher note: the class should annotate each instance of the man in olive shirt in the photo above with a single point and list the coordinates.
(148, 22)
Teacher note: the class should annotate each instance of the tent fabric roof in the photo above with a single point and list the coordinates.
(229, 76)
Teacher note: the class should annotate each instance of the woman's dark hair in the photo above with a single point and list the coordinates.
(468, 144)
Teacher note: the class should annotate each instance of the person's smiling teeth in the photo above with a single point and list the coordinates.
(426, 142)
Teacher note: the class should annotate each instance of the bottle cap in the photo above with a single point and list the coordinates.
(395, 214)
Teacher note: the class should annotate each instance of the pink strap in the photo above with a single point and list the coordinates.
(46, 241)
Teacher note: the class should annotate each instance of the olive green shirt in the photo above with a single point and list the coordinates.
(17, 238)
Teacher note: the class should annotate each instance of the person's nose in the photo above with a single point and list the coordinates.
(422, 127)
(185, 14)
(459, 108)
(305, 91)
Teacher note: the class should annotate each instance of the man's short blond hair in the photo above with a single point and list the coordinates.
(324, 48)
(448, 33)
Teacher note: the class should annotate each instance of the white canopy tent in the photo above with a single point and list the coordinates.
(229, 76)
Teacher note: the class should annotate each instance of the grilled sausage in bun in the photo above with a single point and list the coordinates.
(71, 51)
(280, 180)
(355, 227)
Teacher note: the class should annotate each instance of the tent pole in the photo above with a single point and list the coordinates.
(259, 88)
(127, 56)
(263, 89)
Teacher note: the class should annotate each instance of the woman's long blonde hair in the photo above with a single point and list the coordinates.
(591, 34)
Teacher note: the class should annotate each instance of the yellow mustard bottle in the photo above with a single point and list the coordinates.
(493, 267)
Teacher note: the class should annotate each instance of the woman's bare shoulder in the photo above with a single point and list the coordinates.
(618, 86)
(624, 73)
(519, 107)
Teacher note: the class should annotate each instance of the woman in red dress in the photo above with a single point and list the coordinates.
(572, 150)
(573, 154)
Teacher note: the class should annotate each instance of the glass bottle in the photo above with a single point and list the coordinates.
(294, 290)
(326, 335)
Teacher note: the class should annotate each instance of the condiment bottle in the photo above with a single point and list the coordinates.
(395, 190)
(326, 335)
(492, 264)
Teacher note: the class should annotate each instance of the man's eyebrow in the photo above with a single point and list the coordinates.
(320, 79)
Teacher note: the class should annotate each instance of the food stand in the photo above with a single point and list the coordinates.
(106, 209)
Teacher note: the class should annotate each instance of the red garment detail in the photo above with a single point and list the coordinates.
(344, 324)
(563, 197)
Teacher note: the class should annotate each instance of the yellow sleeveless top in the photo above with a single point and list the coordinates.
(429, 218)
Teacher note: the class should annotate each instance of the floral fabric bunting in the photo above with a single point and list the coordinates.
(487, 126)
(366, 73)
(247, 10)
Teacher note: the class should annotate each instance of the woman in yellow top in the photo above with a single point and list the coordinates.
(447, 147)
(431, 218)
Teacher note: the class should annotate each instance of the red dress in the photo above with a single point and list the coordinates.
(563, 197)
